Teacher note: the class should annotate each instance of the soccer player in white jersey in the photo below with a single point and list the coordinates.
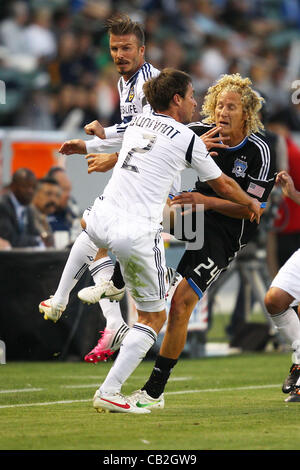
(127, 48)
(127, 218)
(283, 294)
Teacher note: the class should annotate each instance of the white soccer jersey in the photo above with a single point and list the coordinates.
(155, 149)
(132, 102)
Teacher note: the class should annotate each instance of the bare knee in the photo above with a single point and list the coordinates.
(277, 300)
(155, 320)
(180, 311)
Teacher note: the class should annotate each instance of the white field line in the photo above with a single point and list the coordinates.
(20, 390)
(61, 402)
(233, 389)
(24, 390)
(98, 377)
(208, 390)
(81, 386)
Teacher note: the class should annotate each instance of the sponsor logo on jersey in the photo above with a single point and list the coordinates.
(239, 168)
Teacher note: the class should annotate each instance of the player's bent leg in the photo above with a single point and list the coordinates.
(134, 348)
(115, 328)
(108, 344)
(81, 255)
(104, 289)
(154, 320)
(182, 305)
(286, 320)
(277, 300)
(114, 288)
(51, 309)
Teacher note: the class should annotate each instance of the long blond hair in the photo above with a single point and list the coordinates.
(251, 101)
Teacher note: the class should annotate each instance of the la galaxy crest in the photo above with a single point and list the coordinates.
(131, 93)
(239, 168)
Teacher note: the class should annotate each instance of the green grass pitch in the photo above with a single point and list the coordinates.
(225, 403)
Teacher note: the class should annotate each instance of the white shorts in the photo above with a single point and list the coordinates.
(139, 249)
(288, 277)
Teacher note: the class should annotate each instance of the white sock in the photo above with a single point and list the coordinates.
(104, 268)
(288, 325)
(81, 255)
(134, 348)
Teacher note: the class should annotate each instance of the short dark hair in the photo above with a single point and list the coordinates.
(47, 180)
(160, 90)
(22, 174)
(123, 24)
(53, 170)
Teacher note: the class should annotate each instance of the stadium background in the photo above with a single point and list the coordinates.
(58, 74)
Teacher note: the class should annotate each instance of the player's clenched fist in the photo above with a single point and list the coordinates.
(73, 146)
(95, 128)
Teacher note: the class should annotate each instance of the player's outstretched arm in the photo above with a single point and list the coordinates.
(195, 201)
(101, 162)
(75, 146)
(228, 188)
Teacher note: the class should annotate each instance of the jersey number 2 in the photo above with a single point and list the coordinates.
(152, 140)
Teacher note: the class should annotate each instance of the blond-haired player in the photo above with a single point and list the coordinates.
(230, 106)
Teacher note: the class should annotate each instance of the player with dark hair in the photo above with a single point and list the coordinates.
(127, 48)
(231, 107)
(127, 218)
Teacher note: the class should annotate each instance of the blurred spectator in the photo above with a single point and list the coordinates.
(64, 105)
(92, 9)
(44, 203)
(287, 119)
(74, 107)
(206, 19)
(213, 59)
(107, 96)
(173, 52)
(16, 216)
(75, 63)
(12, 28)
(287, 224)
(64, 44)
(37, 111)
(39, 40)
(65, 221)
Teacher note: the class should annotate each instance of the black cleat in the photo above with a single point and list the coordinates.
(294, 395)
(291, 380)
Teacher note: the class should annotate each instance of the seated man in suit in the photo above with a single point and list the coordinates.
(16, 217)
(45, 201)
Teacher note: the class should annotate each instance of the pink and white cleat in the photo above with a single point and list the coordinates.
(109, 342)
